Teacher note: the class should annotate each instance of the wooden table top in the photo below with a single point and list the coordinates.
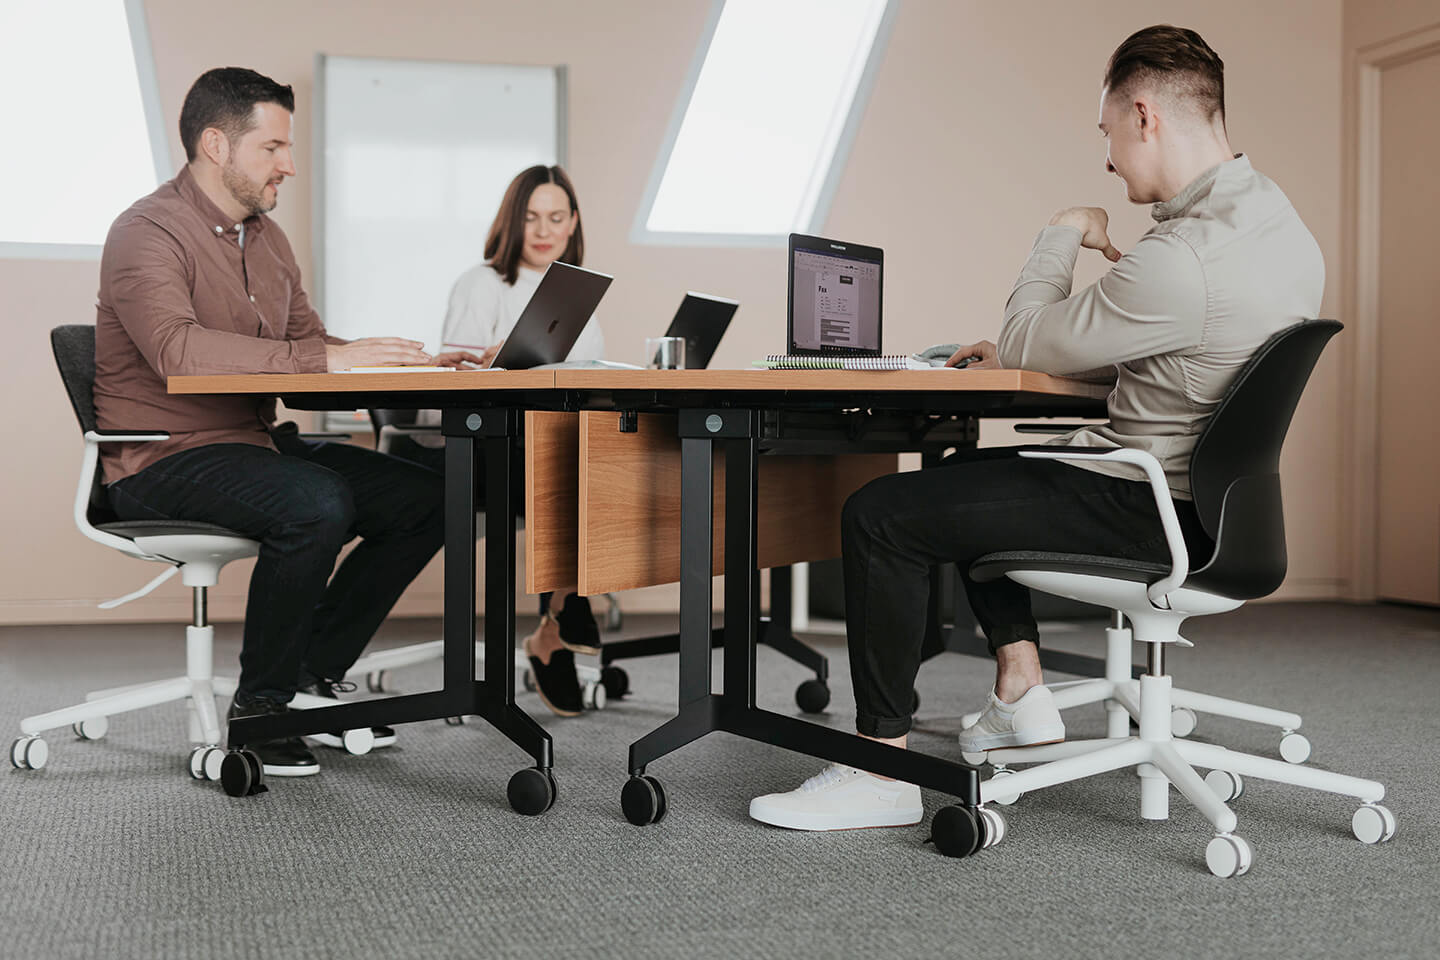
(757, 380)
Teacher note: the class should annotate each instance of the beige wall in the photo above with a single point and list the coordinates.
(982, 122)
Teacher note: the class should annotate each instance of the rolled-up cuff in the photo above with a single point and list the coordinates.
(1012, 633)
(886, 727)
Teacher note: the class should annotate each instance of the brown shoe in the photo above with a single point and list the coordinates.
(556, 681)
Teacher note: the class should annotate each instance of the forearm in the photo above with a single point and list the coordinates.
(184, 347)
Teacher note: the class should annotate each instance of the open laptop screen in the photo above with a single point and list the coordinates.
(835, 296)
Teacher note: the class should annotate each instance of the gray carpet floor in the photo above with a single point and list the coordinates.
(112, 851)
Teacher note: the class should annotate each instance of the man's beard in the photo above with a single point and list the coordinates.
(249, 196)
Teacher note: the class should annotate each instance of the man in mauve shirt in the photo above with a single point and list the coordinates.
(196, 279)
(1227, 264)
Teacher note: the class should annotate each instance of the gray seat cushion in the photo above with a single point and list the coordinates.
(130, 529)
(993, 566)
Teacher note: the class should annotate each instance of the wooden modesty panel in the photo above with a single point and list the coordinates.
(629, 518)
(552, 499)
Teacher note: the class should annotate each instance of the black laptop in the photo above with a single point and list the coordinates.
(702, 320)
(553, 319)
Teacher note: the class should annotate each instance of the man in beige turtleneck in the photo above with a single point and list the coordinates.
(1227, 264)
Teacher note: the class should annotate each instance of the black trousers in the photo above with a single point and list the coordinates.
(303, 502)
(895, 528)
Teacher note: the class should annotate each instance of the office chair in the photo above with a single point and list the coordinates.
(197, 551)
(1236, 486)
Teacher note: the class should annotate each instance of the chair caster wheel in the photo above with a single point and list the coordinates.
(616, 680)
(1228, 856)
(614, 619)
(812, 696)
(1373, 823)
(1183, 721)
(92, 729)
(527, 680)
(29, 753)
(241, 774)
(1294, 748)
(993, 825)
(206, 762)
(454, 721)
(592, 697)
(1225, 785)
(358, 742)
(957, 831)
(377, 682)
(531, 791)
(643, 800)
(974, 759)
(993, 794)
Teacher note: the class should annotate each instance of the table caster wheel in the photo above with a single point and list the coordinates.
(358, 742)
(1373, 823)
(527, 680)
(92, 729)
(993, 794)
(29, 753)
(812, 696)
(957, 831)
(616, 680)
(531, 791)
(1228, 856)
(592, 697)
(206, 761)
(993, 827)
(241, 774)
(377, 682)
(1183, 721)
(454, 721)
(1225, 785)
(643, 801)
(1294, 748)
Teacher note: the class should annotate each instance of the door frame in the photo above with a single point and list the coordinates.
(1360, 395)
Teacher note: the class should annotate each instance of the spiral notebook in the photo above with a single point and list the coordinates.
(793, 361)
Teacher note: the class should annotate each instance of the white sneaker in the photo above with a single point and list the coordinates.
(841, 798)
(1031, 720)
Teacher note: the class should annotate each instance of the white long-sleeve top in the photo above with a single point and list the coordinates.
(1227, 264)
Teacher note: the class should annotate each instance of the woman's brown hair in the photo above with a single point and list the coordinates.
(506, 241)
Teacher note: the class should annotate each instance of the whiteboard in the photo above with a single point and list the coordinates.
(415, 158)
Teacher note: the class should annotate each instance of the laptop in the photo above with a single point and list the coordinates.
(701, 320)
(833, 316)
(553, 319)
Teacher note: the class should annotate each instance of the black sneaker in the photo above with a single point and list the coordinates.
(286, 757)
(578, 630)
(556, 681)
(331, 689)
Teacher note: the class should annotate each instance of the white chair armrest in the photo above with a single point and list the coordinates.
(120, 436)
(1179, 556)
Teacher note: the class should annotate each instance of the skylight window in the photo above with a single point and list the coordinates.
(757, 148)
(81, 149)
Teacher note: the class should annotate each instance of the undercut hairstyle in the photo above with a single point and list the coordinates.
(506, 241)
(225, 98)
(1174, 60)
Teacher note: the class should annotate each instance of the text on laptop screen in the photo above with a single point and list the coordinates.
(836, 302)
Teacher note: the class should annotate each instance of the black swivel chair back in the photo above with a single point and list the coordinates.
(74, 349)
(1235, 469)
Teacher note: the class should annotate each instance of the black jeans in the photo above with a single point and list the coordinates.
(895, 528)
(303, 503)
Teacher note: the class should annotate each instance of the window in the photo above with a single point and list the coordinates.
(80, 85)
(759, 143)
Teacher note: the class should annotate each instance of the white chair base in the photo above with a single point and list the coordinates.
(375, 666)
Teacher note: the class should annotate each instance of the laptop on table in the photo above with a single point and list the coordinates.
(701, 321)
(554, 318)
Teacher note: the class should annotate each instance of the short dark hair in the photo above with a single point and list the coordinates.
(506, 241)
(1176, 57)
(225, 98)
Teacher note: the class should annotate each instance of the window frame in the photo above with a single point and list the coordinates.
(641, 234)
(156, 135)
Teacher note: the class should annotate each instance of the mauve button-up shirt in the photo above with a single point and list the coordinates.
(186, 290)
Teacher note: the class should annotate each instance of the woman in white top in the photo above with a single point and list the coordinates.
(537, 224)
